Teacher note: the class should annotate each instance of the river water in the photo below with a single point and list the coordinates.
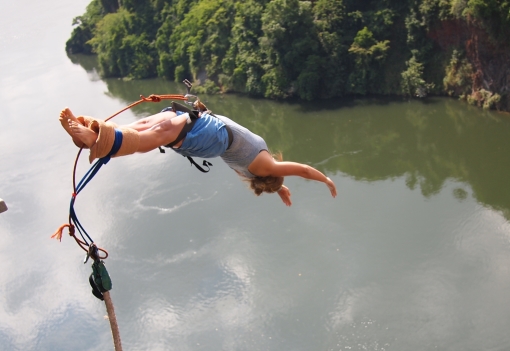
(413, 254)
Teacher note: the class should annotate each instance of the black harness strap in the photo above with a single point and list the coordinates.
(188, 126)
(205, 164)
(178, 107)
(194, 115)
(184, 131)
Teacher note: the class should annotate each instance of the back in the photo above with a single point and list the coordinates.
(207, 139)
(245, 147)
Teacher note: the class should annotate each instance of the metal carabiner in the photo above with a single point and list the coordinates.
(188, 85)
(188, 93)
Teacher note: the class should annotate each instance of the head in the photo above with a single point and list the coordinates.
(267, 184)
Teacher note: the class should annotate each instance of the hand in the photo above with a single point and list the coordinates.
(284, 193)
(331, 187)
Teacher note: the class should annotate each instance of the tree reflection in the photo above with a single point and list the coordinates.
(427, 142)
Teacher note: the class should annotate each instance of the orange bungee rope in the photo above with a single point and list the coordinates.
(73, 223)
(99, 279)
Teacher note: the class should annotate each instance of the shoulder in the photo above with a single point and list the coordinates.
(262, 164)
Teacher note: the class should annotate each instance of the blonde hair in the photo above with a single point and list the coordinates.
(268, 184)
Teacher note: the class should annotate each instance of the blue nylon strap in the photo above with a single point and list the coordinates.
(116, 146)
(88, 177)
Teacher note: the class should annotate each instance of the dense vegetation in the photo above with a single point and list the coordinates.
(309, 49)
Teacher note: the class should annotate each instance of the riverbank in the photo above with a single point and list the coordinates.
(282, 49)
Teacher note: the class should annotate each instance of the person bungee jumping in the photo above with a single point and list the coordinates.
(195, 134)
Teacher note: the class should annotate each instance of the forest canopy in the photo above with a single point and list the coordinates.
(306, 49)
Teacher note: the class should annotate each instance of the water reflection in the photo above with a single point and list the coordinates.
(410, 253)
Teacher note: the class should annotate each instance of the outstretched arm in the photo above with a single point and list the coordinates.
(264, 165)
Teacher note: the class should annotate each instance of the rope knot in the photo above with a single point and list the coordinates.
(58, 234)
(152, 97)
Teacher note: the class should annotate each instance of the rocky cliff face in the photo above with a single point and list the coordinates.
(488, 63)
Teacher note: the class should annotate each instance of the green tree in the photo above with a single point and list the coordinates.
(412, 79)
(289, 39)
(494, 16)
(368, 55)
(242, 65)
(457, 80)
(307, 49)
(329, 21)
(84, 31)
(120, 52)
(200, 41)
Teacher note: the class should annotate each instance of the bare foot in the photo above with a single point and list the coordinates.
(66, 116)
(84, 134)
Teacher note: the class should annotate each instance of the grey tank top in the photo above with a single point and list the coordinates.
(245, 147)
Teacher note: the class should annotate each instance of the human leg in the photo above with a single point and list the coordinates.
(66, 116)
(151, 138)
(98, 135)
(161, 134)
(101, 137)
(149, 122)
